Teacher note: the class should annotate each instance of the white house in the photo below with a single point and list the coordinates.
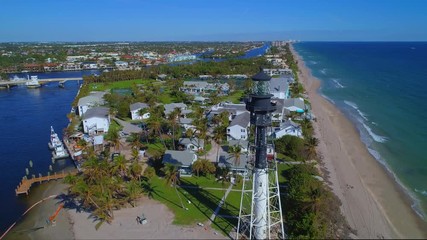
(135, 111)
(279, 87)
(238, 128)
(277, 71)
(96, 120)
(187, 123)
(287, 128)
(121, 64)
(94, 99)
(294, 105)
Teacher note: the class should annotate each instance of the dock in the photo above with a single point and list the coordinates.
(41, 81)
(25, 185)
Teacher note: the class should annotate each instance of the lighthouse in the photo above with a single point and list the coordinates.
(260, 214)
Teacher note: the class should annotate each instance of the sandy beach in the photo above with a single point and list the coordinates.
(71, 224)
(372, 202)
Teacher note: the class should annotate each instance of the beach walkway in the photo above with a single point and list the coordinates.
(212, 218)
(25, 185)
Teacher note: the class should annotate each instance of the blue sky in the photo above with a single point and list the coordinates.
(208, 20)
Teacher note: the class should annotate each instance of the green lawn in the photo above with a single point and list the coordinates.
(201, 203)
(201, 181)
(281, 168)
(116, 85)
(233, 97)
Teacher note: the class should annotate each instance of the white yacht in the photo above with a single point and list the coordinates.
(57, 146)
(33, 82)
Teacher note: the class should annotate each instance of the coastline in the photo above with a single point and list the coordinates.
(372, 202)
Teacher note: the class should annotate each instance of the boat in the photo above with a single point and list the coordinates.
(33, 82)
(56, 145)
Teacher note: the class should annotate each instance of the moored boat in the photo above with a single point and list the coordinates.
(56, 145)
(33, 82)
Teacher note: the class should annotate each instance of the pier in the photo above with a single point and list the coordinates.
(25, 185)
(41, 81)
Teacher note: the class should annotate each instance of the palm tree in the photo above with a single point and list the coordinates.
(173, 121)
(310, 147)
(136, 170)
(172, 177)
(120, 165)
(197, 167)
(133, 191)
(218, 137)
(235, 152)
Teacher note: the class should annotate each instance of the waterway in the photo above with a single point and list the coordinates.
(26, 116)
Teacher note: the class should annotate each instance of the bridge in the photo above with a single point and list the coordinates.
(25, 185)
(41, 81)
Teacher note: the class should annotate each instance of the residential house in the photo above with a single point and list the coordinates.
(94, 99)
(187, 123)
(203, 87)
(239, 126)
(294, 105)
(231, 108)
(286, 128)
(121, 64)
(279, 87)
(169, 108)
(96, 120)
(277, 71)
(235, 165)
(192, 144)
(243, 144)
(182, 159)
(135, 111)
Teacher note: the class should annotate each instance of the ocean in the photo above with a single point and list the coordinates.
(26, 116)
(382, 88)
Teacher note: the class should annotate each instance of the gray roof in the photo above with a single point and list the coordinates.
(227, 159)
(138, 105)
(242, 143)
(241, 120)
(171, 106)
(194, 141)
(196, 84)
(184, 158)
(185, 121)
(289, 123)
(279, 104)
(297, 102)
(279, 85)
(94, 98)
(101, 112)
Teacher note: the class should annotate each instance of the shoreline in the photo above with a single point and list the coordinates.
(372, 201)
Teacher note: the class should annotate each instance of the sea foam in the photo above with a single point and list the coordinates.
(355, 107)
(337, 83)
(376, 137)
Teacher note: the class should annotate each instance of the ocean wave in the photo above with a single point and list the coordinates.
(355, 107)
(327, 98)
(377, 138)
(337, 83)
(323, 71)
(422, 192)
(313, 62)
